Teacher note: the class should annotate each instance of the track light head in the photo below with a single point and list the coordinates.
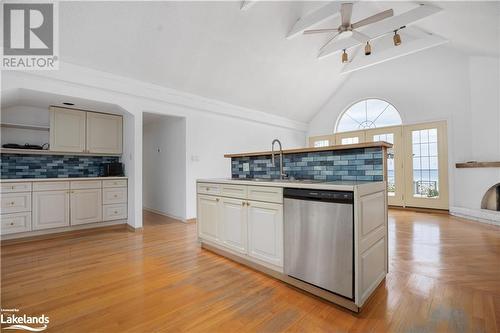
(344, 57)
(368, 48)
(396, 38)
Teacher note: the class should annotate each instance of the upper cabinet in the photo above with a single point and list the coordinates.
(67, 130)
(85, 132)
(104, 133)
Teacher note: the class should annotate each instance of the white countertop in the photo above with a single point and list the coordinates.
(317, 185)
(57, 179)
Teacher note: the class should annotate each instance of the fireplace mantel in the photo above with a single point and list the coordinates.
(478, 165)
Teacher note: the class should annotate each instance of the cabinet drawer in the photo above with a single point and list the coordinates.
(265, 193)
(16, 203)
(16, 222)
(85, 184)
(114, 183)
(114, 212)
(114, 195)
(50, 186)
(209, 188)
(234, 191)
(15, 187)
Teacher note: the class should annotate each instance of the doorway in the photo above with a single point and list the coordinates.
(164, 165)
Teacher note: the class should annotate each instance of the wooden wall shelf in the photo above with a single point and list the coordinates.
(478, 165)
(28, 127)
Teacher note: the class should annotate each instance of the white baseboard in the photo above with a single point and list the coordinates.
(478, 215)
(159, 212)
(62, 229)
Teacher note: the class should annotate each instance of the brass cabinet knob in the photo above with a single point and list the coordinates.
(12, 203)
(208, 188)
(217, 199)
(116, 196)
(243, 203)
(116, 212)
(11, 223)
(12, 187)
(248, 203)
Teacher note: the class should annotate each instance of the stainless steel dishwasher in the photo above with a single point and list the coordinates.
(319, 238)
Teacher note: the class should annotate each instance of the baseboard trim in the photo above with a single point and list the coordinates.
(421, 210)
(60, 234)
(159, 212)
(132, 229)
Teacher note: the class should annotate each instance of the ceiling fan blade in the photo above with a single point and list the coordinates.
(319, 31)
(329, 41)
(396, 22)
(346, 13)
(374, 18)
(359, 36)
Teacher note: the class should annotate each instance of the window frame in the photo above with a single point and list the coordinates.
(349, 106)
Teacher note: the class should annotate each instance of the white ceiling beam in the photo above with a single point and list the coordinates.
(246, 4)
(406, 48)
(313, 18)
(381, 28)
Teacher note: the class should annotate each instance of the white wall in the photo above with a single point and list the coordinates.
(164, 166)
(436, 84)
(213, 128)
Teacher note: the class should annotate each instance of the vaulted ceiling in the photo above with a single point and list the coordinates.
(218, 51)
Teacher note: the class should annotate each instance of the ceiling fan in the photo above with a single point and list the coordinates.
(347, 27)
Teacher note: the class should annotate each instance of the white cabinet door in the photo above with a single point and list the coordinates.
(104, 133)
(50, 209)
(208, 217)
(67, 130)
(86, 206)
(234, 224)
(265, 232)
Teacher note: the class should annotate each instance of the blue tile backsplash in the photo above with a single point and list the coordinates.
(364, 164)
(14, 166)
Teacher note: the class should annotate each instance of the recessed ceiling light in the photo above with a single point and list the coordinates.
(68, 103)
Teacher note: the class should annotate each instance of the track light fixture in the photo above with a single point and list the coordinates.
(368, 48)
(396, 38)
(344, 57)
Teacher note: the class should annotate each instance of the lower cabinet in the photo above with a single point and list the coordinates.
(50, 209)
(253, 228)
(233, 224)
(208, 217)
(86, 206)
(265, 231)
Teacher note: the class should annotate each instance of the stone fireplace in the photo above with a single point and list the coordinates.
(491, 199)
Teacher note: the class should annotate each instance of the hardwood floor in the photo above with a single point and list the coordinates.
(444, 277)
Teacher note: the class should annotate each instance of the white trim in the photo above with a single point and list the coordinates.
(477, 215)
(75, 74)
(159, 212)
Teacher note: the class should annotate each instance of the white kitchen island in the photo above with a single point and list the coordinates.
(244, 220)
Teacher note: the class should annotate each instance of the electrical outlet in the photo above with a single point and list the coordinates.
(246, 167)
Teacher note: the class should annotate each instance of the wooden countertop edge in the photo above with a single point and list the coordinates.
(310, 149)
(478, 165)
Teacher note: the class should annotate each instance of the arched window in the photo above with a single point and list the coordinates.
(368, 113)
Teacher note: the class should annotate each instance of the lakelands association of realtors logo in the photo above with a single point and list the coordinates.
(16, 321)
(30, 36)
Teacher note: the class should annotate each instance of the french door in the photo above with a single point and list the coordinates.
(426, 165)
(417, 164)
(394, 162)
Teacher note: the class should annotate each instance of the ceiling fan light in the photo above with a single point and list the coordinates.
(344, 57)
(396, 38)
(368, 48)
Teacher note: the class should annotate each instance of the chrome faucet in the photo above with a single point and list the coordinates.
(282, 174)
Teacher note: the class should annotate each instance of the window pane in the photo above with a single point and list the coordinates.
(350, 141)
(425, 164)
(321, 143)
(368, 113)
